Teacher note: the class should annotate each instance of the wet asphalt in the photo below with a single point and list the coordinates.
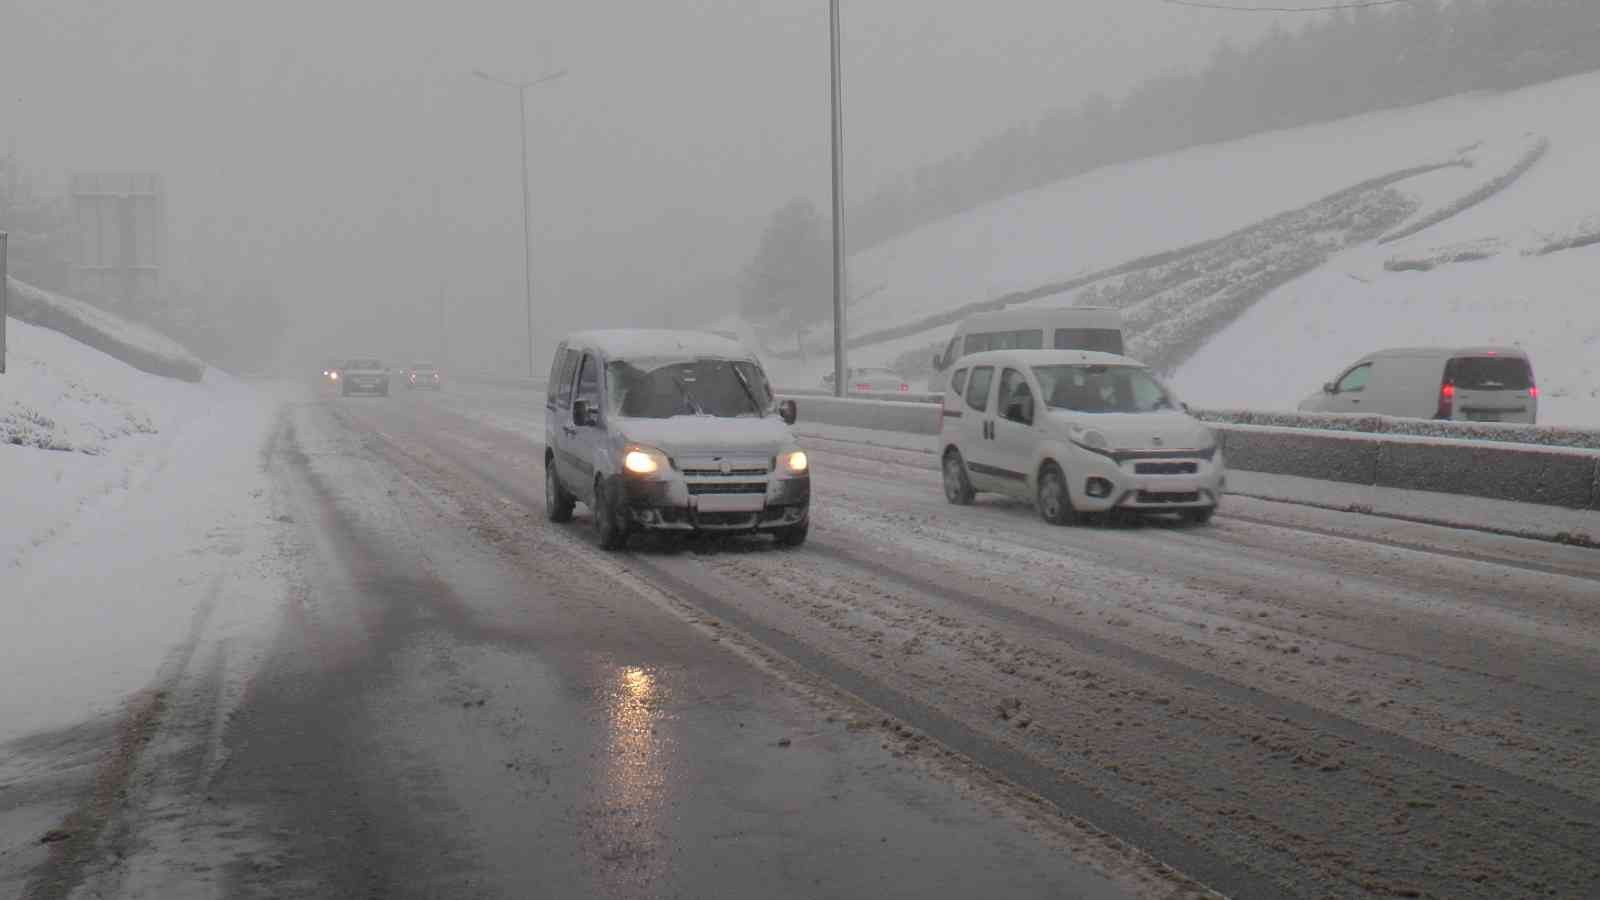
(464, 701)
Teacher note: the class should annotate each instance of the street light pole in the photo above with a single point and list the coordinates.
(527, 200)
(837, 104)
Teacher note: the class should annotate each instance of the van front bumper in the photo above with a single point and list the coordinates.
(1147, 482)
(684, 506)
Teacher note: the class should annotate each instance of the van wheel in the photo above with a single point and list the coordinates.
(1055, 504)
(608, 521)
(557, 502)
(794, 535)
(957, 486)
(1199, 516)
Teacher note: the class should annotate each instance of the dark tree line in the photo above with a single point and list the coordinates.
(1341, 64)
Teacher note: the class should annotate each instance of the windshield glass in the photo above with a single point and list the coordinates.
(1101, 389)
(663, 388)
(364, 364)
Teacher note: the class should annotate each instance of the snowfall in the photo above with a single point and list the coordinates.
(1506, 289)
(139, 513)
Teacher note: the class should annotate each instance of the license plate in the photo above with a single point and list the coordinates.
(733, 502)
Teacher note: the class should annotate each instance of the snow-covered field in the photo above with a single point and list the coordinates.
(1295, 337)
(136, 517)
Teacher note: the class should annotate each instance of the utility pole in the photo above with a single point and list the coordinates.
(527, 202)
(5, 301)
(839, 366)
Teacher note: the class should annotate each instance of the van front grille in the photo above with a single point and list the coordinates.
(727, 487)
(1166, 468)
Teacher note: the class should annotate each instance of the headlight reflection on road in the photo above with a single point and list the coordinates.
(635, 767)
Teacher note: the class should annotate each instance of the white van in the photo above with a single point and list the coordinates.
(1075, 432)
(1094, 328)
(671, 431)
(1474, 384)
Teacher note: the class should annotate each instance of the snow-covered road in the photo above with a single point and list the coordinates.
(925, 700)
(1320, 700)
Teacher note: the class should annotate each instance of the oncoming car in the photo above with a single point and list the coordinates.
(1077, 433)
(671, 431)
(364, 375)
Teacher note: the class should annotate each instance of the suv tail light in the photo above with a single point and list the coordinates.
(1447, 402)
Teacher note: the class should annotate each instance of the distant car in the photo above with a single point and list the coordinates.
(364, 375)
(1474, 384)
(423, 375)
(1075, 432)
(870, 381)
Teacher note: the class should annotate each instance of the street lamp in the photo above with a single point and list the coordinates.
(527, 238)
(837, 103)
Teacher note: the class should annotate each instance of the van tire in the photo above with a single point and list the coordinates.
(609, 524)
(793, 535)
(957, 486)
(557, 502)
(1055, 501)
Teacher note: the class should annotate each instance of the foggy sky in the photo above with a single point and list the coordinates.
(304, 142)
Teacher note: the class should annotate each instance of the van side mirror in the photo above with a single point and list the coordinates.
(788, 411)
(938, 362)
(1330, 388)
(583, 414)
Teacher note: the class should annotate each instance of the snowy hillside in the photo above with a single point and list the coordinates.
(1255, 268)
(135, 472)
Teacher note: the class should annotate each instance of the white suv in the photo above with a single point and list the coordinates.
(1076, 432)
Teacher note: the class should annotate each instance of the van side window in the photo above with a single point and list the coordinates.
(1016, 398)
(958, 381)
(978, 387)
(589, 382)
(1023, 339)
(1356, 379)
(556, 365)
(569, 366)
(1101, 340)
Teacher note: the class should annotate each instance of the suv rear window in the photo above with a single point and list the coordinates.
(1489, 373)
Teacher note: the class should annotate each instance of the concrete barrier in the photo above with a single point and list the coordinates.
(1547, 475)
(1335, 457)
(884, 415)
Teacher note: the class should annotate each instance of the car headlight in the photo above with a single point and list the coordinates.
(334, 375)
(645, 460)
(1092, 438)
(795, 462)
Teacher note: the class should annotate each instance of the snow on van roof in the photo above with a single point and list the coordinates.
(645, 342)
(1048, 358)
(1515, 352)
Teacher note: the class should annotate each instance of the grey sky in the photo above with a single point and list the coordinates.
(302, 140)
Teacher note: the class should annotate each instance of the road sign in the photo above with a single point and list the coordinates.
(121, 234)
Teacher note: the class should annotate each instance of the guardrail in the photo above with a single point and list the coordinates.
(1468, 465)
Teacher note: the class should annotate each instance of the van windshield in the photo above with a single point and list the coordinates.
(1489, 373)
(665, 387)
(1101, 389)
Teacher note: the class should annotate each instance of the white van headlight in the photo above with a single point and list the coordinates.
(640, 460)
(795, 462)
(1092, 438)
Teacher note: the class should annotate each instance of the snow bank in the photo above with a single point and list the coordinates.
(134, 344)
(109, 550)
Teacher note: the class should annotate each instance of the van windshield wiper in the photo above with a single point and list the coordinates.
(748, 391)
